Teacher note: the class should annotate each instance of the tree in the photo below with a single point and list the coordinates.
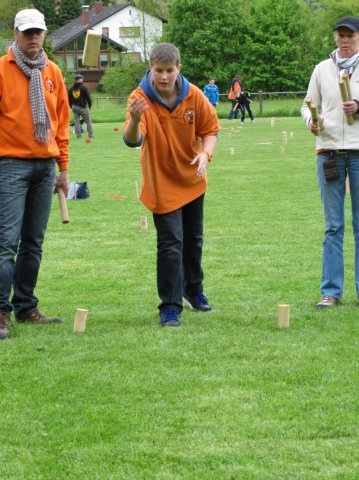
(123, 78)
(325, 16)
(276, 56)
(47, 7)
(69, 10)
(214, 49)
(9, 9)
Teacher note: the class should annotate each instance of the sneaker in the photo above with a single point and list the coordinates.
(199, 302)
(169, 318)
(34, 316)
(253, 121)
(327, 301)
(4, 324)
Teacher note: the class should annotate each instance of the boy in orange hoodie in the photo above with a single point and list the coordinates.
(166, 117)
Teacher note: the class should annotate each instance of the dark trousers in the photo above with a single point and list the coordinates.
(234, 110)
(246, 106)
(179, 254)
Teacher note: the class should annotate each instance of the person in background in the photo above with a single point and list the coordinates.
(212, 92)
(246, 100)
(166, 116)
(337, 148)
(34, 136)
(236, 88)
(80, 102)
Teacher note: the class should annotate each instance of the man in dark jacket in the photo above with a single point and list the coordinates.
(80, 103)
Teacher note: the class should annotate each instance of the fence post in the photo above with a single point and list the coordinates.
(260, 99)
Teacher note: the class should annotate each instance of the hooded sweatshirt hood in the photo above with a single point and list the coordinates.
(151, 91)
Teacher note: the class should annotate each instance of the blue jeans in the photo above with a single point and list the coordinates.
(179, 254)
(26, 189)
(333, 196)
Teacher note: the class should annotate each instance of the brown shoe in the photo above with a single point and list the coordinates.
(4, 324)
(327, 302)
(34, 316)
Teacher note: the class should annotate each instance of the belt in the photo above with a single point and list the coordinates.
(341, 151)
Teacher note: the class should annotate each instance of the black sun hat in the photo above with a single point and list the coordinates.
(348, 22)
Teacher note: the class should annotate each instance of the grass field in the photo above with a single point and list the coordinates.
(228, 395)
(108, 109)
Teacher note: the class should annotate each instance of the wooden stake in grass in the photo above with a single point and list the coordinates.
(272, 122)
(291, 134)
(283, 315)
(284, 138)
(80, 320)
(231, 151)
(345, 98)
(143, 223)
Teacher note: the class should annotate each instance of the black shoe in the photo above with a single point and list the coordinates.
(169, 318)
(199, 302)
(4, 324)
(34, 316)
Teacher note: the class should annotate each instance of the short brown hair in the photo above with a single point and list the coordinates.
(165, 53)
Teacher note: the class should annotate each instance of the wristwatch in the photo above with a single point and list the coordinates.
(208, 153)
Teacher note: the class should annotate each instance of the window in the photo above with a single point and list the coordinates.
(114, 59)
(70, 62)
(103, 60)
(79, 61)
(81, 42)
(130, 32)
(70, 47)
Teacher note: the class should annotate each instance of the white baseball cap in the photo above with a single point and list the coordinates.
(29, 18)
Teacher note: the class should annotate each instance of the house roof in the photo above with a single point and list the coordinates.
(75, 28)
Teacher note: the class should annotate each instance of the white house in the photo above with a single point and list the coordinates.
(125, 30)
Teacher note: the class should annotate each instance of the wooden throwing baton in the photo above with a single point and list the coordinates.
(345, 96)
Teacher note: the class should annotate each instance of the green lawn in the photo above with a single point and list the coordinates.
(228, 395)
(113, 109)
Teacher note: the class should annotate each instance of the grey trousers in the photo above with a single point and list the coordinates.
(85, 114)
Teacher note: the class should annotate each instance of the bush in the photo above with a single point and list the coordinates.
(121, 80)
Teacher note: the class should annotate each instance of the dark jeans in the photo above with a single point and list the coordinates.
(179, 254)
(246, 106)
(26, 189)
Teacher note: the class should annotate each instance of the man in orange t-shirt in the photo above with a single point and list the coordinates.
(177, 128)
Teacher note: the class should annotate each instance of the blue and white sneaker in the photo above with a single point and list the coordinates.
(169, 318)
(199, 303)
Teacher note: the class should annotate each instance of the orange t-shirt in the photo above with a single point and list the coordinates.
(170, 143)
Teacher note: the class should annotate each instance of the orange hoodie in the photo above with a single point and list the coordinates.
(171, 140)
(16, 123)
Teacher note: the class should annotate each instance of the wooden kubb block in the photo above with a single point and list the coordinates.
(80, 320)
(283, 316)
(92, 48)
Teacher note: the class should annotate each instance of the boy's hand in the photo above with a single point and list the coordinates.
(202, 160)
(137, 107)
